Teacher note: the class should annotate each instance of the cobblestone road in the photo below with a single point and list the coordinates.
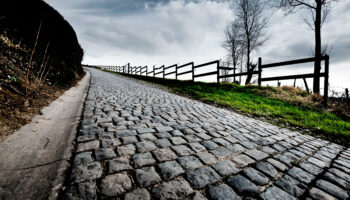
(140, 142)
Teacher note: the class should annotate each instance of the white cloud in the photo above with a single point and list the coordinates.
(148, 32)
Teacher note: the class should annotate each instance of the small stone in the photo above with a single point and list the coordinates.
(116, 184)
(118, 165)
(267, 169)
(197, 147)
(332, 189)
(164, 154)
(138, 194)
(147, 176)
(147, 136)
(86, 172)
(163, 135)
(282, 167)
(163, 143)
(190, 162)
(268, 150)
(319, 194)
(209, 144)
(291, 185)
(223, 192)
(236, 149)
(86, 138)
(333, 178)
(221, 152)
(256, 154)
(164, 128)
(242, 160)
(145, 146)
(124, 133)
(103, 154)
(88, 146)
(243, 185)
(221, 142)
(207, 158)
(145, 130)
(284, 159)
(311, 168)
(199, 196)
(143, 159)
(182, 150)
(318, 163)
(255, 176)
(126, 150)
(178, 140)
(202, 177)
(170, 170)
(192, 138)
(175, 189)
(274, 193)
(82, 158)
(129, 140)
(225, 168)
(301, 175)
(85, 190)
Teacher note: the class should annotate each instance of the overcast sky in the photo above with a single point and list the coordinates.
(156, 32)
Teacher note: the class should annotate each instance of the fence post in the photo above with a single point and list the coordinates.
(176, 72)
(163, 71)
(259, 74)
(218, 72)
(347, 94)
(153, 72)
(325, 95)
(192, 72)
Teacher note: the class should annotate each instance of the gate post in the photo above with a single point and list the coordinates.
(259, 73)
(326, 76)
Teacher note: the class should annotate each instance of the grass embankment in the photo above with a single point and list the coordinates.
(285, 106)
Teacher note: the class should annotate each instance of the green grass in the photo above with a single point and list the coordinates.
(254, 101)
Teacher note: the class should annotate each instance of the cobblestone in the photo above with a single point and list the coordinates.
(170, 170)
(175, 189)
(137, 141)
(243, 185)
(116, 184)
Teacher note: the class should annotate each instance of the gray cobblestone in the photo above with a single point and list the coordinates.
(86, 172)
(116, 184)
(175, 189)
(225, 168)
(243, 185)
(118, 164)
(256, 176)
(103, 154)
(164, 154)
(163, 146)
(143, 159)
(147, 176)
(190, 162)
(170, 170)
(223, 192)
(138, 194)
(202, 177)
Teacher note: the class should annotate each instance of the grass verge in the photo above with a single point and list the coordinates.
(286, 107)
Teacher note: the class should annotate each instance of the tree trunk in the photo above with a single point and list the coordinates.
(249, 77)
(317, 67)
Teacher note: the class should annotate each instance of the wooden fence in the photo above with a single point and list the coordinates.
(143, 70)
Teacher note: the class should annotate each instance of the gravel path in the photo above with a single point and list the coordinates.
(137, 141)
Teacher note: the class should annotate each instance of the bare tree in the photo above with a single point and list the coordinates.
(251, 17)
(233, 43)
(319, 10)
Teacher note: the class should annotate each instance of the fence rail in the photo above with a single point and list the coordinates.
(216, 71)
